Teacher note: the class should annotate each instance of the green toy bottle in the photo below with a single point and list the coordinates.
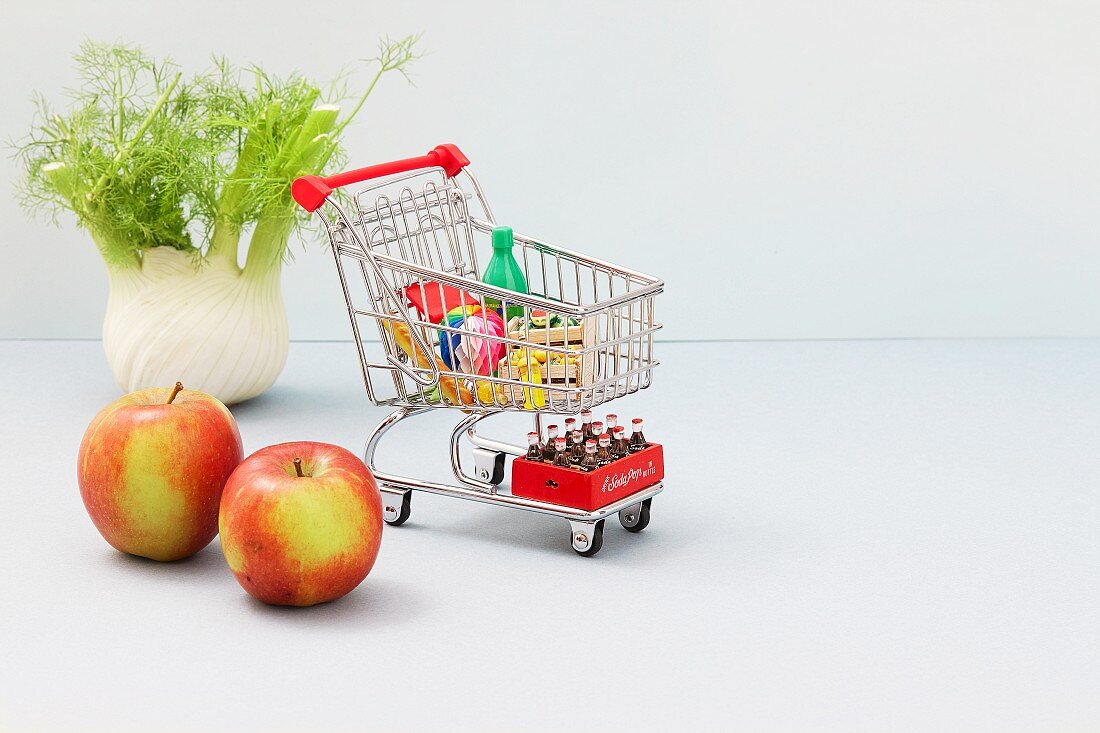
(504, 272)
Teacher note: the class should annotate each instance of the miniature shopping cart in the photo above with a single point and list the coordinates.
(582, 336)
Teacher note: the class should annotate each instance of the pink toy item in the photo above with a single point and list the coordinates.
(479, 355)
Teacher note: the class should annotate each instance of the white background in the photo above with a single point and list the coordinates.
(792, 170)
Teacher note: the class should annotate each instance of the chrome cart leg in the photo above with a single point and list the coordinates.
(635, 517)
(396, 501)
(586, 537)
(379, 430)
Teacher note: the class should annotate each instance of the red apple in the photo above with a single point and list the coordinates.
(300, 523)
(151, 470)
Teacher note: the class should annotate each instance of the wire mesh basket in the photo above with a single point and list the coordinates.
(582, 336)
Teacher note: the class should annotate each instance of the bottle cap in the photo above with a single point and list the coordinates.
(590, 444)
(619, 429)
(637, 421)
(586, 414)
(605, 438)
(503, 238)
(597, 427)
(570, 422)
(559, 442)
(612, 418)
(532, 437)
(578, 436)
(552, 428)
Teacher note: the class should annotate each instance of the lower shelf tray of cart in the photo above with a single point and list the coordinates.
(588, 490)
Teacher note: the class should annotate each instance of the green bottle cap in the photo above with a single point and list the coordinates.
(502, 238)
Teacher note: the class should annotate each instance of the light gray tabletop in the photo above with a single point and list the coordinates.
(896, 535)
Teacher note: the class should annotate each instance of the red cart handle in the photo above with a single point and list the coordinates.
(311, 191)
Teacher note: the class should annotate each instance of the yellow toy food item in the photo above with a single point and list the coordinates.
(504, 394)
(527, 365)
(517, 357)
(453, 390)
(532, 398)
(485, 393)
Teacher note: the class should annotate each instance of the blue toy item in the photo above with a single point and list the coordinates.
(449, 341)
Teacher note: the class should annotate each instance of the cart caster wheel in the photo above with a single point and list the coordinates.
(587, 539)
(393, 514)
(635, 517)
(489, 465)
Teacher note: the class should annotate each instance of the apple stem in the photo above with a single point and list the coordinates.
(298, 467)
(175, 391)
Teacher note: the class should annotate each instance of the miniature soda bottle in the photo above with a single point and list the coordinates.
(637, 440)
(534, 450)
(504, 272)
(570, 426)
(610, 423)
(576, 451)
(597, 428)
(620, 445)
(561, 455)
(548, 449)
(603, 450)
(589, 462)
(586, 424)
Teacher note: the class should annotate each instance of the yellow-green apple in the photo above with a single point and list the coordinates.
(300, 523)
(151, 470)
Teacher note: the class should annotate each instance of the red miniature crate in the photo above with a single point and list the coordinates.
(588, 490)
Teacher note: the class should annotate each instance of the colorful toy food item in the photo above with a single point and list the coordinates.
(432, 299)
(151, 470)
(540, 327)
(453, 390)
(468, 352)
(477, 355)
(300, 523)
(540, 319)
(486, 394)
(518, 361)
(503, 393)
(449, 340)
(533, 398)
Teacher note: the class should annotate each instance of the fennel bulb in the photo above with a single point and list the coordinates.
(208, 326)
(167, 175)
